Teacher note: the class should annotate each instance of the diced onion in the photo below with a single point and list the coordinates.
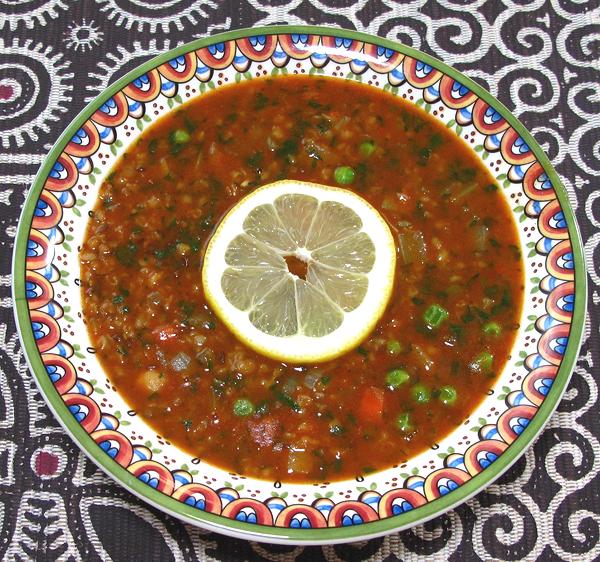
(181, 362)
(481, 237)
(412, 247)
(290, 385)
(311, 379)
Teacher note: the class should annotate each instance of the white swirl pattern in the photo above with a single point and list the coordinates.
(541, 59)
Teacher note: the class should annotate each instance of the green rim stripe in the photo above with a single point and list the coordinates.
(268, 533)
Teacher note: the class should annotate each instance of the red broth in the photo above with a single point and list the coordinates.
(435, 353)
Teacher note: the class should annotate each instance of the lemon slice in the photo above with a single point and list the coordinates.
(342, 243)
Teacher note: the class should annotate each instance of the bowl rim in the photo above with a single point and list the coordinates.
(272, 534)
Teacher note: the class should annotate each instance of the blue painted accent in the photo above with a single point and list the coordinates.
(434, 90)
(145, 478)
(79, 136)
(81, 163)
(465, 113)
(491, 433)
(494, 139)
(521, 145)
(105, 133)
(487, 460)
(167, 85)
(250, 518)
(519, 171)
(216, 48)
(39, 208)
(372, 500)
(56, 171)
(547, 323)
(354, 520)
(108, 106)
(547, 244)
(520, 426)
(546, 385)
(134, 106)
(227, 497)
(398, 74)
(457, 462)
(325, 507)
(239, 59)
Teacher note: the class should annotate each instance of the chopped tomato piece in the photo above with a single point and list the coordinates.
(165, 333)
(370, 408)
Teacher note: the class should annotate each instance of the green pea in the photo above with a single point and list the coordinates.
(435, 315)
(344, 175)
(420, 394)
(483, 362)
(367, 148)
(181, 137)
(243, 407)
(492, 329)
(396, 377)
(403, 422)
(394, 347)
(448, 395)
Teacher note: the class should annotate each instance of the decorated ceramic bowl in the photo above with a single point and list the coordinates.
(48, 304)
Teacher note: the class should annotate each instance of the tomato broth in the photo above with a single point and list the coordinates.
(434, 354)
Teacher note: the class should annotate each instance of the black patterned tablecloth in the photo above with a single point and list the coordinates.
(540, 58)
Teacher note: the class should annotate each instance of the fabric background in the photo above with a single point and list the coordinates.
(540, 58)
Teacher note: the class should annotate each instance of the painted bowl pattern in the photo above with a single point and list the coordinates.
(47, 295)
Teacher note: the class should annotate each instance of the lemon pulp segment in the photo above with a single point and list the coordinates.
(350, 260)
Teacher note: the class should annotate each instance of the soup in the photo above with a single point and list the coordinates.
(445, 335)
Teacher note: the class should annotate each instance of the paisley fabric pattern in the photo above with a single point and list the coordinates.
(540, 59)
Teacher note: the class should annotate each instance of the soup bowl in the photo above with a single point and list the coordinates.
(64, 363)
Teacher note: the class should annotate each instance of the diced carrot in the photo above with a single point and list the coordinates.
(370, 408)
